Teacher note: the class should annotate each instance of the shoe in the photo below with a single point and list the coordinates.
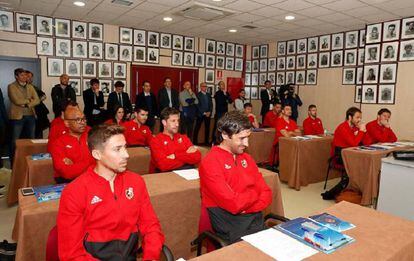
(2, 187)
(7, 249)
(1, 195)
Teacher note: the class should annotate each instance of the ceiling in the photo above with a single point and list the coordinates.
(313, 17)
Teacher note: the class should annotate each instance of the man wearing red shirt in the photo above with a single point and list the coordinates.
(136, 132)
(233, 191)
(272, 115)
(248, 108)
(57, 126)
(70, 153)
(379, 130)
(312, 125)
(171, 150)
(102, 213)
(349, 133)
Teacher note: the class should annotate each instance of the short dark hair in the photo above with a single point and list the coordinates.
(232, 122)
(27, 71)
(144, 82)
(351, 112)
(247, 104)
(99, 134)
(267, 81)
(119, 84)
(311, 107)
(276, 102)
(93, 81)
(167, 78)
(18, 71)
(241, 90)
(138, 109)
(286, 105)
(383, 110)
(167, 112)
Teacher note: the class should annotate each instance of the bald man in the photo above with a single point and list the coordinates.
(61, 94)
(70, 154)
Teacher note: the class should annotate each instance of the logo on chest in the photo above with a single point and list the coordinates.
(180, 140)
(244, 163)
(227, 166)
(165, 142)
(129, 193)
(95, 200)
(68, 146)
(144, 131)
(133, 128)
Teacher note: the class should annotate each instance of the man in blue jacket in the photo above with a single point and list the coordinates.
(204, 109)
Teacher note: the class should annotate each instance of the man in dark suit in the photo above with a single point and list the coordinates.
(222, 99)
(146, 100)
(204, 109)
(119, 97)
(61, 94)
(167, 97)
(267, 96)
(94, 104)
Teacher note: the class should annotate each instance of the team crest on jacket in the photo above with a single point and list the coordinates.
(244, 163)
(227, 166)
(133, 128)
(180, 140)
(144, 131)
(165, 142)
(129, 193)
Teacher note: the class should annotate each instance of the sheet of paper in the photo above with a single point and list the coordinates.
(279, 246)
(40, 141)
(313, 136)
(404, 143)
(188, 174)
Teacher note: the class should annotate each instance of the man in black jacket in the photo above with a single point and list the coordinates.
(119, 97)
(267, 96)
(94, 104)
(167, 96)
(290, 98)
(222, 99)
(204, 109)
(42, 121)
(146, 100)
(61, 94)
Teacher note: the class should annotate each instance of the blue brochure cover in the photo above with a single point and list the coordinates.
(332, 222)
(41, 156)
(46, 193)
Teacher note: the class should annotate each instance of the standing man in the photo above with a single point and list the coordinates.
(146, 100)
(137, 134)
(312, 125)
(42, 121)
(204, 109)
(119, 97)
(267, 97)
(222, 99)
(379, 130)
(62, 93)
(188, 105)
(289, 97)
(94, 104)
(167, 96)
(272, 115)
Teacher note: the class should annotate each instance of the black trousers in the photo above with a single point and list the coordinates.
(200, 121)
(151, 123)
(216, 118)
(187, 126)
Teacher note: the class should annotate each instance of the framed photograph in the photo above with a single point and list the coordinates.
(165, 41)
(111, 52)
(371, 73)
(153, 39)
(95, 50)
(290, 77)
(281, 62)
(188, 59)
(325, 43)
(44, 25)
(178, 42)
(302, 46)
(106, 87)
(189, 44)
(6, 21)
(86, 84)
(125, 53)
(311, 77)
(263, 65)
(105, 69)
(229, 63)
(358, 94)
(255, 79)
(210, 89)
(177, 58)
(248, 66)
(238, 65)
(120, 70)
(247, 79)
(406, 50)
(63, 47)
(199, 60)
(313, 44)
(336, 58)
(153, 55)
(359, 75)
(80, 49)
(300, 77)
(386, 94)
(388, 73)
(372, 53)
(95, 31)
(255, 66)
(312, 61)
(254, 93)
(62, 28)
(73, 68)
(239, 50)
(391, 31)
(350, 58)
(211, 61)
(220, 62)
(139, 54)
(348, 76)
(210, 46)
(76, 85)
(280, 78)
(301, 61)
(281, 48)
(45, 46)
(210, 76)
(79, 30)
(263, 50)
(271, 65)
(291, 47)
(361, 56)
(291, 62)
(338, 41)
(139, 37)
(262, 78)
(256, 52)
(54, 67)
(351, 39)
(324, 59)
(389, 52)
(221, 48)
(373, 33)
(272, 78)
(89, 69)
(126, 35)
(24, 23)
(407, 31)
(230, 49)
(369, 94)
(362, 37)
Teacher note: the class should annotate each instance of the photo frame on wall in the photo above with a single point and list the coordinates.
(247, 79)
(386, 94)
(45, 46)
(221, 48)
(248, 66)
(211, 61)
(407, 50)
(139, 54)
(220, 62)
(165, 41)
(189, 44)
(271, 65)
(239, 50)
(230, 63)
(62, 28)
(79, 30)
(177, 43)
(255, 66)
(264, 51)
(80, 49)
(272, 78)
(324, 43)
(262, 78)
(372, 53)
(312, 61)
(125, 53)
(291, 63)
(88, 68)
(210, 46)
(54, 67)
(95, 31)
(111, 51)
(210, 76)
(188, 59)
(337, 41)
(7, 21)
(361, 56)
(351, 39)
(358, 94)
(44, 25)
(389, 52)
(139, 37)
(348, 76)
(369, 94)
(256, 52)
(407, 30)
(76, 85)
(177, 58)
(86, 84)
(153, 39)
(362, 37)
(313, 44)
(336, 58)
(280, 78)
(73, 68)
(255, 79)
(120, 70)
(230, 49)
(359, 75)
(371, 74)
(199, 60)
(238, 64)
(311, 77)
(281, 48)
(95, 50)
(63, 47)
(391, 31)
(281, 63)
(104, 69)
(301, 61)
(153, 55)
(350, 57)
(125, 35)
(263, 65)
(24, 23)
(324, 59)
(302, 46)
(300, 77)
(291, 47)
(106, 87)
(373, 34)
(290, 77)
(388, 73)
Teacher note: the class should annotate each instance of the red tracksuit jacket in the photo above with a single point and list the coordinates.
(137, 135)
(345, 137)
(162, 145)
(93, 221)
(270, 119)
(76, 150)
(57, 128)
(312, 126)
(378, 133)
(281, 124)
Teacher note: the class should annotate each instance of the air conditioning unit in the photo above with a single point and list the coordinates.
(204, 12)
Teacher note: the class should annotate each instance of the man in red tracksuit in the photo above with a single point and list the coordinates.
(104, 210)
(379, 130)
(57, 126)
(312, 125)
(272, 115)
(233, 191)
(136, 132)
(171, 150)
(248, 110)
(70, 153)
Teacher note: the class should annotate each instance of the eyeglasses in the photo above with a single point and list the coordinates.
(78, 120)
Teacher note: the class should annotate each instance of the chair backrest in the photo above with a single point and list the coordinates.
(52, 245)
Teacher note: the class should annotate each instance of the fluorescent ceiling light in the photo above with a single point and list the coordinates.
(289, 17)
(233, 31)
(79, 3)
(167, 19)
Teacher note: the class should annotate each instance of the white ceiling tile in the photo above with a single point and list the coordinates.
(246, 17)
(404, 12)
(309, 22)
(334, 17)
(344, 5)
(172, 3)
(228, 22)
(269, 2)
(211, 3)
(315, 11)
(38, 8)
(268, 11)
(244, 5)
(152, 7)
(320, 2)
(293, 5)
(103, 17)
(383, 17)
(268, 22)
(366, 11)
(395, 4)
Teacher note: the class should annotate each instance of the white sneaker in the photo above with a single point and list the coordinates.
(1, 195)
(2, 187)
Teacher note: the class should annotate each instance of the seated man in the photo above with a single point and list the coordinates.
(171, 150)
(70, 153)
(272, 115)
(379, 130)
(102, 212)
(233, 190)
(57, 126)
(312, 125)
(136, 132)
(248, 107)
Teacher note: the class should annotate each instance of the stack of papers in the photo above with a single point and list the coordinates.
(40, 141)
(46, 193)
(41, 156)
(404, 143)
(188, 174)
(313, 136)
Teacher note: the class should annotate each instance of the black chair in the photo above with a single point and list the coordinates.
(335, 162)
